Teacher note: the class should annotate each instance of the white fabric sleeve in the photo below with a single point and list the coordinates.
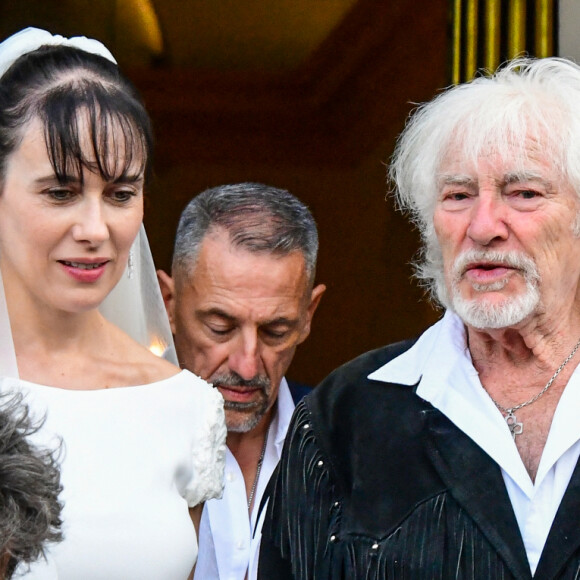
(209, 448)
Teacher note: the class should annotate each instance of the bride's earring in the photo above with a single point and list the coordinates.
(130, 265)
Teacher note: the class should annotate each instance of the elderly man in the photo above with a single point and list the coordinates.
(456, 456)
(240, 300)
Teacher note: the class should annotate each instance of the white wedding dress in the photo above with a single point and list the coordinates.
(132, 460)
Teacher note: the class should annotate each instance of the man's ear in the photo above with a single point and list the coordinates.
(315, 297)
(167, 285)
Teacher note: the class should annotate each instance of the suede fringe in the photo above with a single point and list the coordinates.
(305, 508)
(437, 541)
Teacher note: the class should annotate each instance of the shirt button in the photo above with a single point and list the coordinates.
(240, 545)
(230, 476)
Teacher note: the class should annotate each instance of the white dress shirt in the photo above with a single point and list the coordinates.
(441, 361)
(228, 539)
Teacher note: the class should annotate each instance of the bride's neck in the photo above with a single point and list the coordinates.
(53, 331)
(62, 351)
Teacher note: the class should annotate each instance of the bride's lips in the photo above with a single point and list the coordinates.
(84, 270)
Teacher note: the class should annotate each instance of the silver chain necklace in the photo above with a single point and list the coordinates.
(258, 470)
(510, 418)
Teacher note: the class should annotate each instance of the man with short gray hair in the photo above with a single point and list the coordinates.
(240, 300)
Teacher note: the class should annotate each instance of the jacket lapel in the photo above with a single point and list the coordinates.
(476, 483)
(564, 537)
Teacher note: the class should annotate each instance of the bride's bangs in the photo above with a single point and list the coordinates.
(95, 130)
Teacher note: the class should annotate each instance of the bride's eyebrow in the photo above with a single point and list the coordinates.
(127, 177)
(52, 179)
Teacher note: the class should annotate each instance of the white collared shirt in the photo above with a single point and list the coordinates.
(228, 539)
(441, 361)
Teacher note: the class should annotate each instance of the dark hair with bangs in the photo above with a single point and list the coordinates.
(76, 94)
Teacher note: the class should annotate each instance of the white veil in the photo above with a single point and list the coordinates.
(135, 304)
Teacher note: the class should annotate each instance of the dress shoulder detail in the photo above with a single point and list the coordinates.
(208, 446)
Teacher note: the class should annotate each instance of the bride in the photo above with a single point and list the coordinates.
(141, 443)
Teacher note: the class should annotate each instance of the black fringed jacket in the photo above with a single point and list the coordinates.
(375, 483)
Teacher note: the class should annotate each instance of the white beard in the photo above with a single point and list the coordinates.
(510, 311)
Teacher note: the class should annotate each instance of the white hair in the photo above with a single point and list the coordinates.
(535, 100)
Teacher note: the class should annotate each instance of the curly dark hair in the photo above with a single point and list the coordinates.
(29, 489)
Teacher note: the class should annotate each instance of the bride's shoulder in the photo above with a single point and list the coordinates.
(157, 368)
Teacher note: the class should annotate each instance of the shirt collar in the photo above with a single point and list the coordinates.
(440, 363)
(429, 356)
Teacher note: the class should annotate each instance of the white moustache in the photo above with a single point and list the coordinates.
(509, 259)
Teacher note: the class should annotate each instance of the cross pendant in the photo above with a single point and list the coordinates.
(515, 427)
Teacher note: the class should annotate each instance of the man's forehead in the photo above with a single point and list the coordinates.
(244, 284)
(458, 167)
(217, 251)
(502, 149)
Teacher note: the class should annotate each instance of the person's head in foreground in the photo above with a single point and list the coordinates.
(29, 488)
